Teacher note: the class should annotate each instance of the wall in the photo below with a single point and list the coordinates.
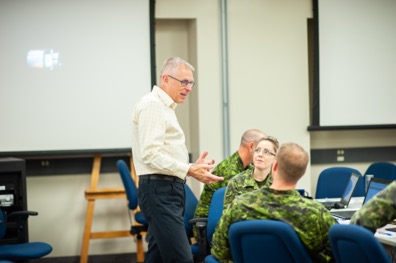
(269, 70)
(268, 89)
(62, 207)
(349, 139)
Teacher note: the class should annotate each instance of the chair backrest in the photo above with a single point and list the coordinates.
(332, 182)
(383, 170)
(191, 204)
(201, 250)
(353, 243)
(269, 240)
(130, 186)
(3, 225)
(215, 211)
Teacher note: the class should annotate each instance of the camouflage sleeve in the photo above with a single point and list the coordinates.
(379, 211)
(230, 193)
(313, 229)
(202, 208)
(228, 169)
(326, 255)
(220, 244)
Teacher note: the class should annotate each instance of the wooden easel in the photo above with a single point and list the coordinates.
(91, 195)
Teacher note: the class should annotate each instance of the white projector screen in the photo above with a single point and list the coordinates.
(357, 62)
(70, 73)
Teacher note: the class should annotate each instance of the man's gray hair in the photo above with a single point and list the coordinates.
(172, 63)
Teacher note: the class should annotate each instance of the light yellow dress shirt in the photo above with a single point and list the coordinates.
(158, 142)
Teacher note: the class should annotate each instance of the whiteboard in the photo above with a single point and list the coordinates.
(357, 61)
(70, 72)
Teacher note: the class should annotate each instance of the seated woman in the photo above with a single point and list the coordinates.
(260, 173)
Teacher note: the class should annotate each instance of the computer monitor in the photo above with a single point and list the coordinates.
(375, 186)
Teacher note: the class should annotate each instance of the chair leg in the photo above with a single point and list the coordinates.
(139, 248)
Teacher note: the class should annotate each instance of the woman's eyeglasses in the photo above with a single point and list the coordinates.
(264, 151)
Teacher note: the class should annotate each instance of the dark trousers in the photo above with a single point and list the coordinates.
(162, 204)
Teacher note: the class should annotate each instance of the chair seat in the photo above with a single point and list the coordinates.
(140, 218)
(26, 251)
(195, 249)
(211, 259)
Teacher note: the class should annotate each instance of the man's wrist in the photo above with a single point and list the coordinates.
(188, 172)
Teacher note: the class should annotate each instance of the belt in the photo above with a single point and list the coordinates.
(162, 177)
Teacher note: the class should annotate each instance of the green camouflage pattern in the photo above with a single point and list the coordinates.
(228, 168)
(310, 219)
(243, 183)
(380, 210)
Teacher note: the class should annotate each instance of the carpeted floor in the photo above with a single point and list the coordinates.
(116, 258)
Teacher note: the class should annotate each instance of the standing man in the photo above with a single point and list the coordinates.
(281, 201)
(161, 161)
(228, 168)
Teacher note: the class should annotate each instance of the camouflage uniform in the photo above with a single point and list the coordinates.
(379, 211)
(228, 168)
(310, 220)
(243, 183)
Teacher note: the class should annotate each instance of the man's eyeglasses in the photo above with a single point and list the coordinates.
(264, 151)
(183, 83)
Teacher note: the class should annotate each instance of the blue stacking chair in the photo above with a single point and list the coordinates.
(211, 259)
(266, 241)
(140, 225)
(355, 244)
(332, 182)
(206, 226)
(191, 204)
(383, 170)
(22, 251)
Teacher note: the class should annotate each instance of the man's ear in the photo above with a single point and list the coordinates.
(252, 145)
(164, 78)
(275, 166)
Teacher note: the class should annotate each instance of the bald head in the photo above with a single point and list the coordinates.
(249, 141)
(252, 135)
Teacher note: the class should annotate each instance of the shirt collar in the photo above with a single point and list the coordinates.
(164, 97)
